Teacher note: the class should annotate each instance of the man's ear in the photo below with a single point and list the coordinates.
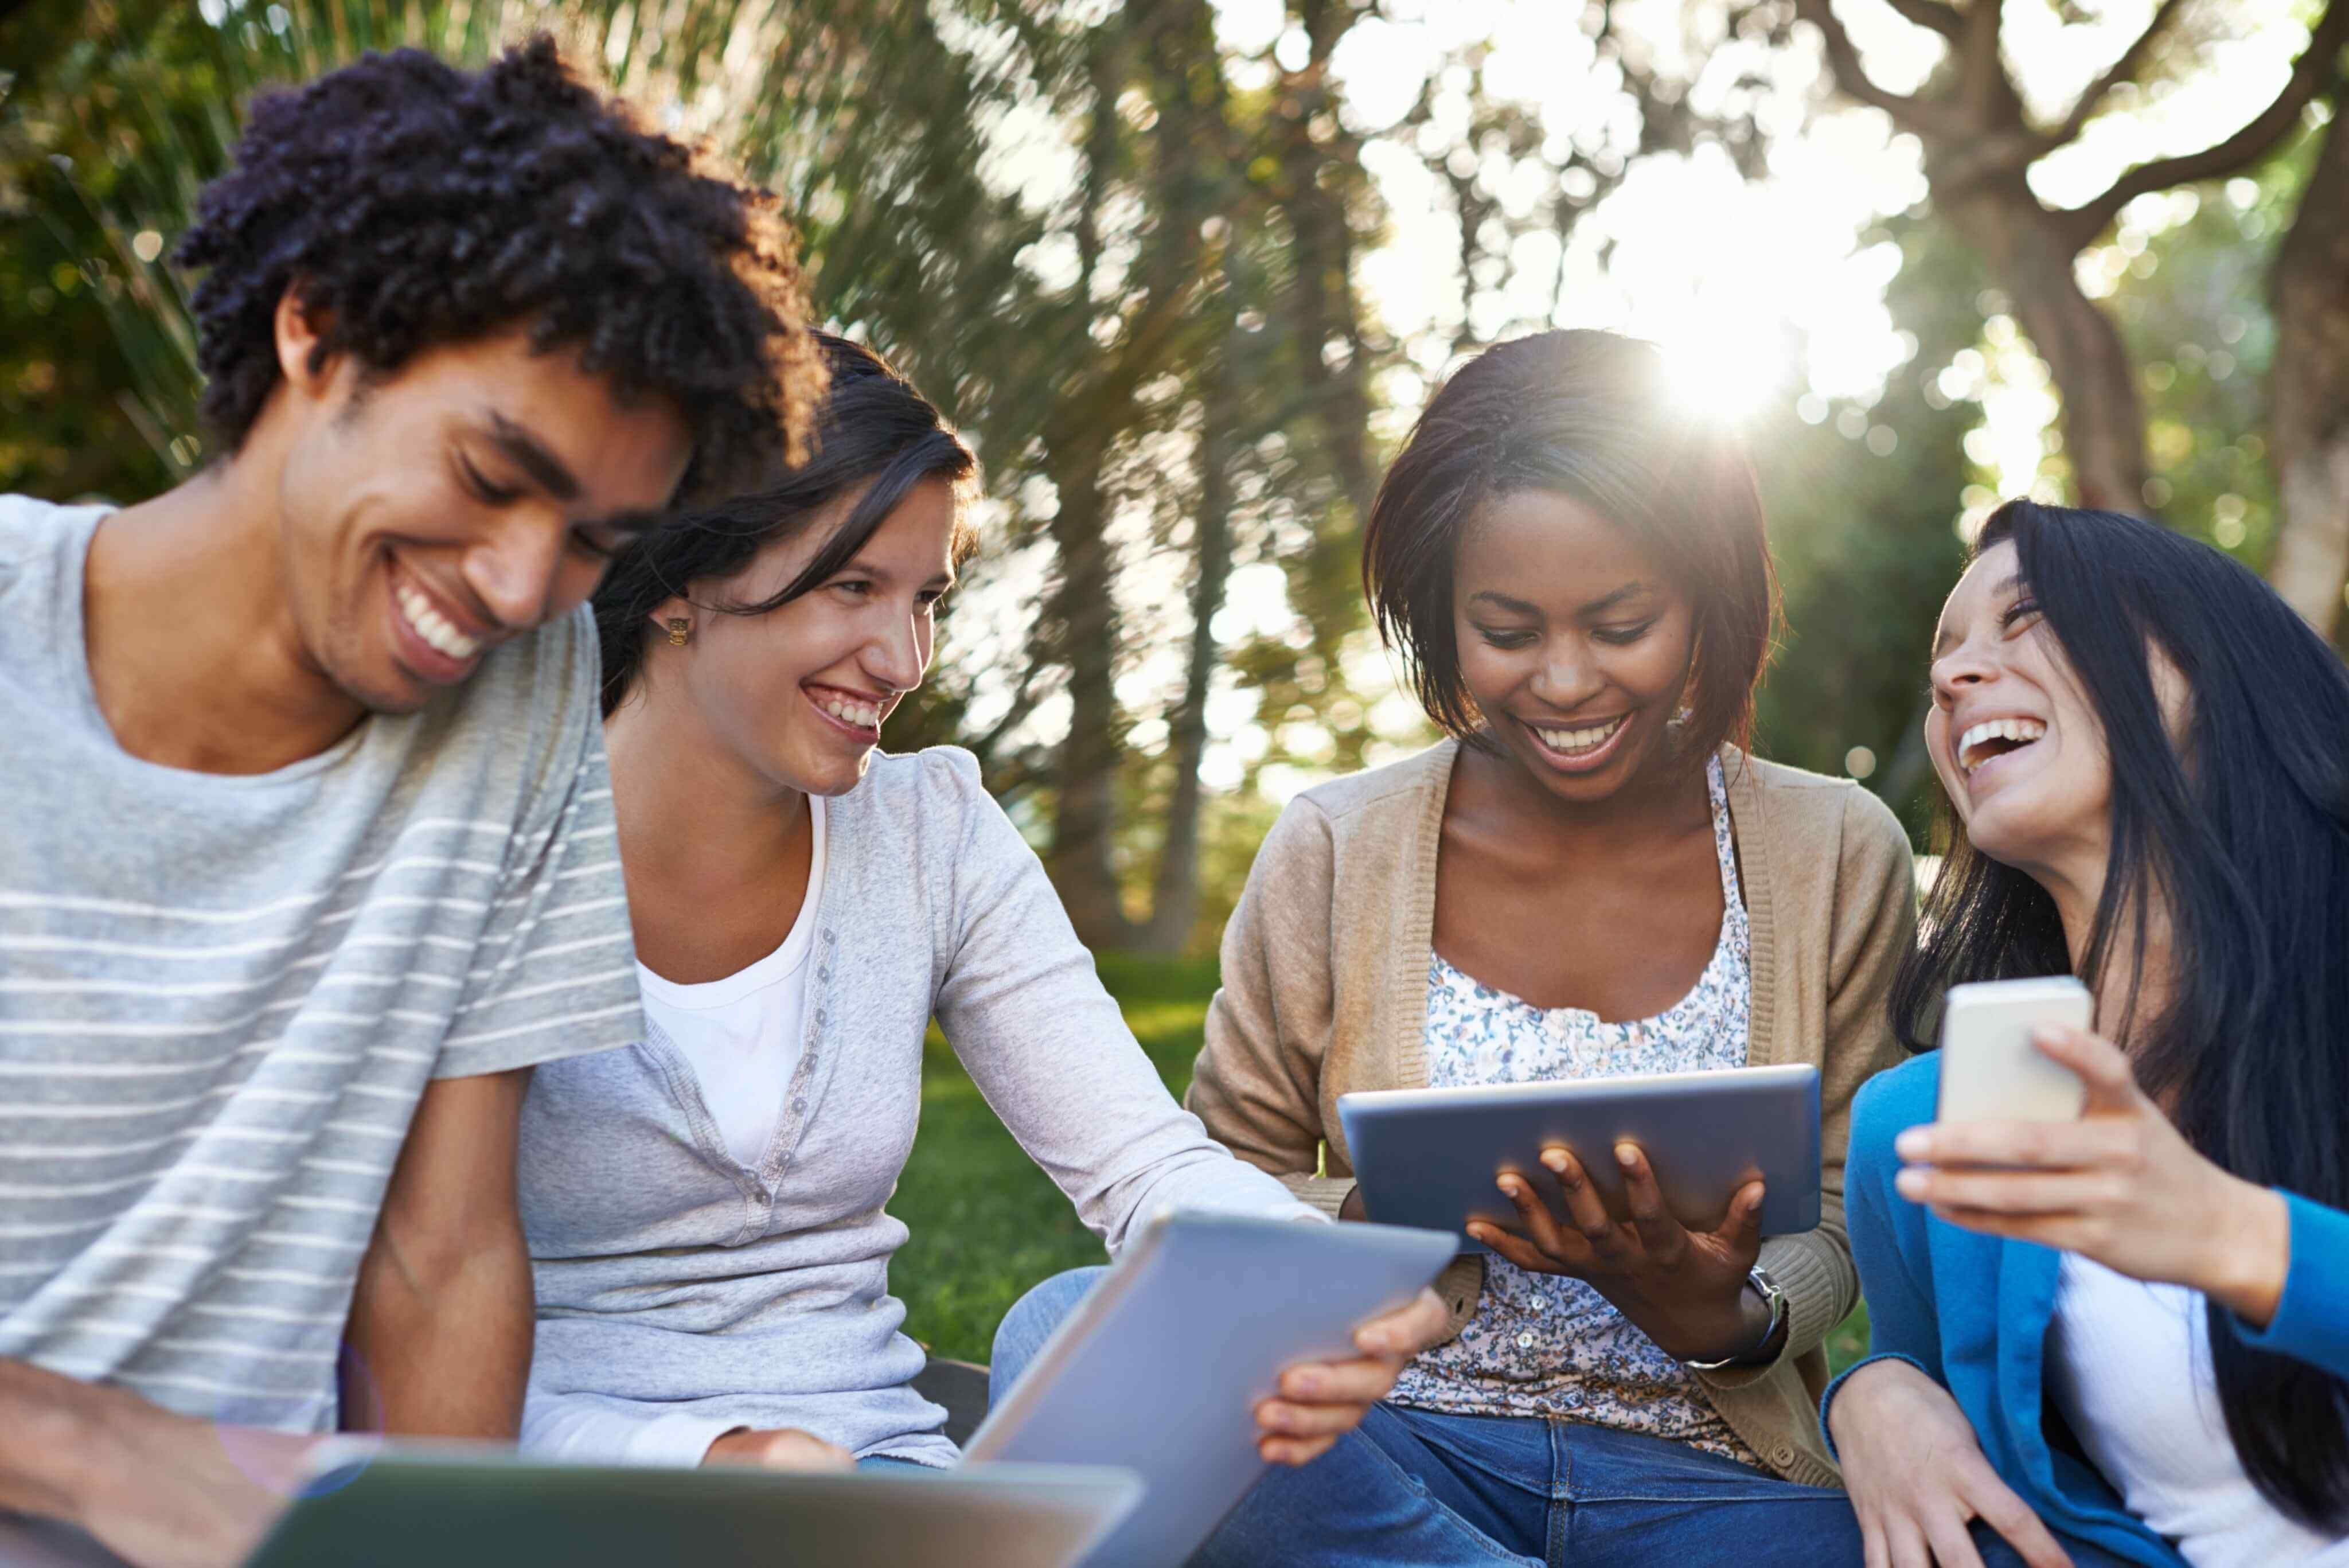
(299, 333)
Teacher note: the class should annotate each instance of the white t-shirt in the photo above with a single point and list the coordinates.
(742, 1033)
(2129, 1363)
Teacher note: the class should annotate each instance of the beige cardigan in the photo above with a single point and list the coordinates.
(1325, 991)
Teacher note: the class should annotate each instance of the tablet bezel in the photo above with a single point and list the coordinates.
(1430, 1158)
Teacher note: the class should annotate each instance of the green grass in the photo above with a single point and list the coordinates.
(987, 1224)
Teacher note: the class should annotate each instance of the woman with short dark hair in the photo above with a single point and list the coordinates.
(2124, 1338)
(1590, 878)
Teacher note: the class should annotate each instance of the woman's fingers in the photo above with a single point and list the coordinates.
(2101, 1143)
(1996, 1505)
(1661, 1233)
(1905, 1545)
(1287, 1418)
(1583, 1210)
(1354, 1384)
(1741, 1229)
(1517, 1249)
(2010, 1191)
(1541, 1225)
(2102, 1065)
(1951, 1541)
(1293, 1451)
(1406, 1331)
(1873, 1553)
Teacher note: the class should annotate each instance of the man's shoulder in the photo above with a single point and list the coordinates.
(33, 533)
(537, 691)
(552, 670)
(517, 733)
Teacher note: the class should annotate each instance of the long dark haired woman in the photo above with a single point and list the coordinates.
(1591, 877)
(2124, 1338)
(706, 1211)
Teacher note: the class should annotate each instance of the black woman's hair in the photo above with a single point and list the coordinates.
(2241, 829)
(872, 428)
(1590, 416)
(410, 204)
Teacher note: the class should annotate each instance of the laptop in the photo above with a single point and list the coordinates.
(1160, 1368)
(450, 1506)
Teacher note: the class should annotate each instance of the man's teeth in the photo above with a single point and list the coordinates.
(2022, 732)
(1586, 740)
(863, 715)
(433, 626)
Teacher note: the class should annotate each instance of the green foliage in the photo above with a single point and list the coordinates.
(1865, 542)
(2192, 304)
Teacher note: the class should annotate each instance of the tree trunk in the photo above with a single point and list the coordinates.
(2103, 419)
(1324, 307)
(1084, 611)
(2309, 392)
(1174, 897)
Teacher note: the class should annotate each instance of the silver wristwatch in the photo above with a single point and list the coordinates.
(1771, 1297)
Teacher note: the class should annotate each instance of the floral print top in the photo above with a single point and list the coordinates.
(1544, 1344)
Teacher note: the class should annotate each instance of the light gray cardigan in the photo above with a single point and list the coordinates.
(681, 1295)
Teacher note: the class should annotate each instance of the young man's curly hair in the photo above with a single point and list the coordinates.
(412, 204)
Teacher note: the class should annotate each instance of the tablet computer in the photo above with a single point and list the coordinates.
(1430, 1157)
(372, 1505)
(1159, 1369)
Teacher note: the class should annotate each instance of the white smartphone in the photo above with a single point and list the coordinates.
(1991, 1071)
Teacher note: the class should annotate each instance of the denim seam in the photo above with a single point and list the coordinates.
(1444, 1510)
(1821, 1494)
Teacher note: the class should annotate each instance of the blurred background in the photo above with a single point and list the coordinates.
(1186, 270)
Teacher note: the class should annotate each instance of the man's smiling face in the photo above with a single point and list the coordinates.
(476, 493)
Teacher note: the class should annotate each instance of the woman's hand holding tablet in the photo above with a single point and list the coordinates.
(1693, 1172)
(1684, 1289)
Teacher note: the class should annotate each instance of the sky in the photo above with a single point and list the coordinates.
(1756, 291)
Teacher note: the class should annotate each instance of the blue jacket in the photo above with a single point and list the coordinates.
(1971, 1312)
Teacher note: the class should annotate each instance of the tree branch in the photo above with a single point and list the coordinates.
(1932, 14)
(2121, 70)
(1843, 63)
(1983, 86)
(2315, 70)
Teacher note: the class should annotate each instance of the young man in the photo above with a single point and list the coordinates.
(306, 843)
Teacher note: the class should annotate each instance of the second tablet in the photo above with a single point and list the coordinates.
(1430, 1157)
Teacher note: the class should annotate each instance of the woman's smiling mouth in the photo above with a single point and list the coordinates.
(1996, 738)
(858, 713)
(1579, 748)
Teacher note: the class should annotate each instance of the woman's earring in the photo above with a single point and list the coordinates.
(1680, 715)
(680, 628)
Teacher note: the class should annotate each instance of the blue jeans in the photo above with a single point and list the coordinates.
(1413, 1487)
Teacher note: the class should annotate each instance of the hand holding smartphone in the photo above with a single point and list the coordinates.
(1990, 1070)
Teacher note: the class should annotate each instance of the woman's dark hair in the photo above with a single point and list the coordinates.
(870, 425)
(1586, 415)
(412, 204)
(2242, 831)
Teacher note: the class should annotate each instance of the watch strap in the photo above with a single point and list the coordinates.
(1771, 1297)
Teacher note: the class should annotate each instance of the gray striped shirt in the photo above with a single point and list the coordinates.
(221, 997)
